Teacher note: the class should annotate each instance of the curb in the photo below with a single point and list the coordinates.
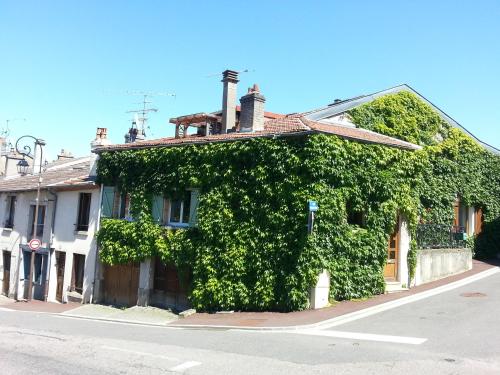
(114, 320)
(346, 318)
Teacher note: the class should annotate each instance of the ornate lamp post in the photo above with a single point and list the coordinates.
(23, 168)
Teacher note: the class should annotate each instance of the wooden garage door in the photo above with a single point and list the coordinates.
(121, 283)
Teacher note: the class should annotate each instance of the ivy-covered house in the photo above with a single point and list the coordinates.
(217, 217)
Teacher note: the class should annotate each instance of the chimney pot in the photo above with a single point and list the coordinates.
(102, 133)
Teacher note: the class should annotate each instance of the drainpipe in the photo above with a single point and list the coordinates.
(52, 226)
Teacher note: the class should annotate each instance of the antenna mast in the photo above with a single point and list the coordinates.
(139, 123)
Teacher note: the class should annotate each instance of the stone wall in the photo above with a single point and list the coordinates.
(434, 264)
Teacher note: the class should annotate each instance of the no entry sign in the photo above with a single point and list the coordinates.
(35, 244)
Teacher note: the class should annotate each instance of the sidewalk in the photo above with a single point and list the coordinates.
(136, 314)
(38, 306)
(308, 317)
(258, 320)
(4, 300)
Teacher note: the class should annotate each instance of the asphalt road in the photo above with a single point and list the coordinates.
(457, 332)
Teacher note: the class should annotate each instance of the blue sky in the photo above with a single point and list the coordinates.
(66, 66)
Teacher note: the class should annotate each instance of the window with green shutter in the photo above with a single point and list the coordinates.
(108, 196)
(157, 211)
(193, 209)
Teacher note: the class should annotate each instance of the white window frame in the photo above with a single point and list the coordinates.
(193, 208)
(8, 210)
(175, 223)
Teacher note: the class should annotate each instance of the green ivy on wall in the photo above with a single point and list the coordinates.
(250, 249)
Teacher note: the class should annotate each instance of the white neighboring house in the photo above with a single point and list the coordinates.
(67, 220)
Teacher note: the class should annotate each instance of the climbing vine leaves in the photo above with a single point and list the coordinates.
(250, 249)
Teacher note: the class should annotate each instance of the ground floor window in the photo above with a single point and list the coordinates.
(78, 272)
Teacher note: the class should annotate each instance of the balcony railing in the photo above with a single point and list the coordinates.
(440, 236)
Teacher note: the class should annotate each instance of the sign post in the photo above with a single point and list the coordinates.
(312, 207)
(34, 244)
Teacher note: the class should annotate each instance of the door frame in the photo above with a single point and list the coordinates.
(397, 230)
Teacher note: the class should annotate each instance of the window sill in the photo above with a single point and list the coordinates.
(81, 232)
(7, 229)
(177, 225)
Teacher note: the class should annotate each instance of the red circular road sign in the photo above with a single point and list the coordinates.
(35, 244)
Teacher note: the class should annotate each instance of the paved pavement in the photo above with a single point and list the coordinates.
(309, 317)
(137, 314)
(456, 332)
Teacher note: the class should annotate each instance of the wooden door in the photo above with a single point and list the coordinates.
(60, 264)
(478, 221)
(121, 283)
(391, 267)
(170, 286)
(6, 272)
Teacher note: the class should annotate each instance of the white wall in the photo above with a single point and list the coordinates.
(65, 238)
(436, 264)
(68, 240)
(10, 239)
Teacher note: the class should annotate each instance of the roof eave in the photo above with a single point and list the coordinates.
(207, 141)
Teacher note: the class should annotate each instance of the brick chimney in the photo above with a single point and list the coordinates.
(252, 110)
(230, 80)
(65, 154)
(101, 139)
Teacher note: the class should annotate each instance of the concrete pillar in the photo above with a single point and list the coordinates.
(68, 274)
(98, 288)
(146, 271)
(319, 294)
(20, 277)
(404, 249)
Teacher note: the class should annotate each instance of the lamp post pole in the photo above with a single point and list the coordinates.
(26, 151)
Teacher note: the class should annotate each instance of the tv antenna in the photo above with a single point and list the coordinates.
(5, 132)
(139, 123)
(239, 72)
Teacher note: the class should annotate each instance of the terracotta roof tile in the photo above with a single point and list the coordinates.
(358, 134)
(286, 125)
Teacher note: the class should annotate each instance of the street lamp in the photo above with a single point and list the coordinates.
(23, 168)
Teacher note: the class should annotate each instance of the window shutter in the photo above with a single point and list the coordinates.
(193, 209)
(157, 209)
(108, 196)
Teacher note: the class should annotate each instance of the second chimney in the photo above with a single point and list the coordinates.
(230, 80)
(252, 110)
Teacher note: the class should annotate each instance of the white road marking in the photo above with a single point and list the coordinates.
(184, 366)
(343, 319)
(363, 336)
(5, 309)
(139, 353)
